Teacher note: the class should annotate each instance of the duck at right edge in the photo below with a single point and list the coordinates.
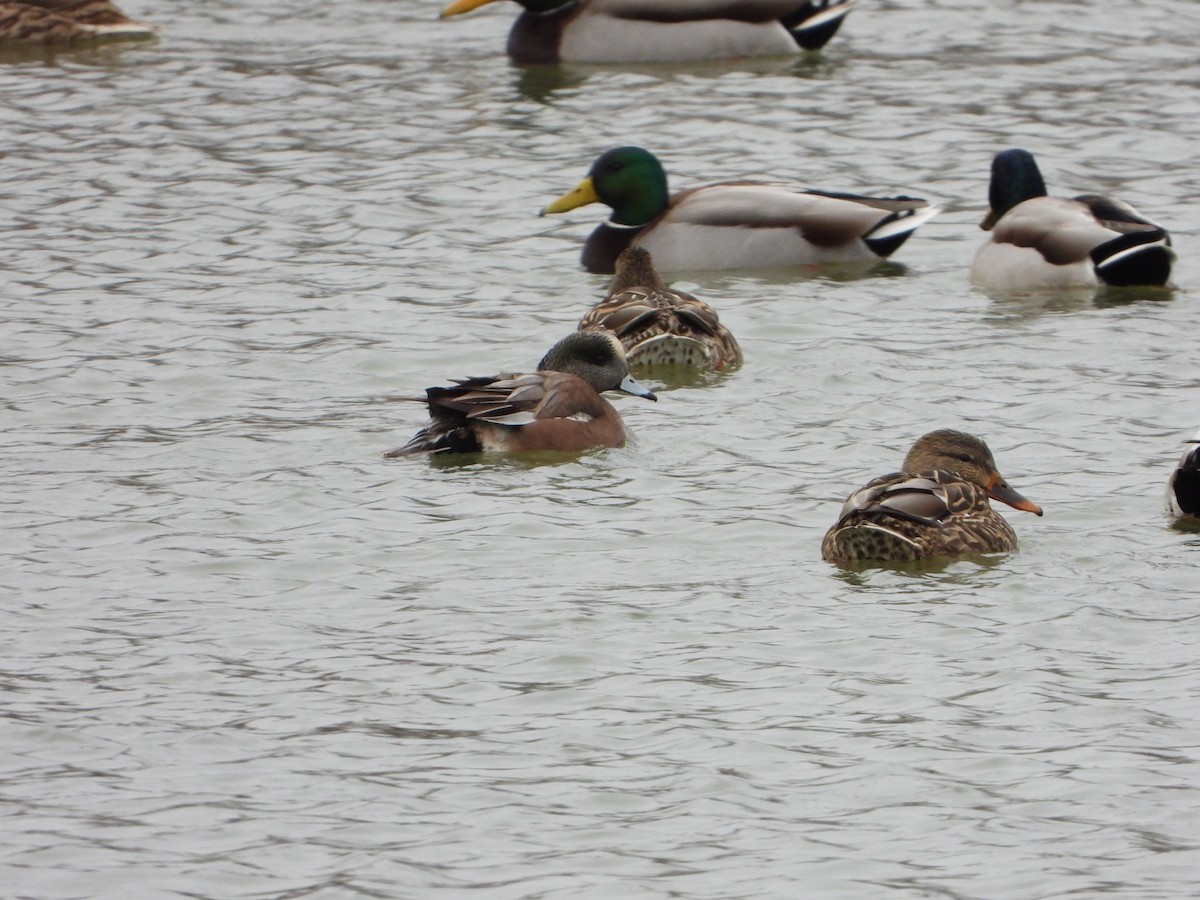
(1040, 242)
(937, 505)
(1183, 487)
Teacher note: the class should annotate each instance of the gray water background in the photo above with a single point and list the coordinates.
(243, 656)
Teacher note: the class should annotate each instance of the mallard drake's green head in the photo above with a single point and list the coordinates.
(629, 179)
(967, 457)
(597, 358)
(1015, 179)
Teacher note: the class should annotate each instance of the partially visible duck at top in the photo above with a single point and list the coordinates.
(66, 23)
(936, 505)
(1041, 242)
(1183, 487)
(659, 326)
(733, 225)
(644, 31)
(556, 408)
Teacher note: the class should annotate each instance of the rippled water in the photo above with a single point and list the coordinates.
(245, 656)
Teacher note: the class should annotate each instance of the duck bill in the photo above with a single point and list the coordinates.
(583, 194)
(629, 386)
(458, 7)
(998, 489)
(989, 221)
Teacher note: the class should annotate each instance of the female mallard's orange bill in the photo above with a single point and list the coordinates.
(998, 489)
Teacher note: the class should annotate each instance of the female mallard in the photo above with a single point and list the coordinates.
(937, 505)
(733, 224)
(659, 326)
(1052, 242)
(640, 31)
(1183, 488)
(48, 23)
(558, 407)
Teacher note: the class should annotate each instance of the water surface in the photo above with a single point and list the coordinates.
(245, 656)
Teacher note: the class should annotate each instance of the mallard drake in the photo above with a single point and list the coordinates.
(37, 23)
(641, 31)
(1183, 487)
(657, 325)
(558, 407)
(733, 224)
(1052, 242)
(937, 505)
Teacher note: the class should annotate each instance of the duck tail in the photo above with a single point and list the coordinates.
(893, 230)
(1136, 258)
(817, 21)
(1184, 486)
(120, 31)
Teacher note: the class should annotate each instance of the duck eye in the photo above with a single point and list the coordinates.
(964, 457)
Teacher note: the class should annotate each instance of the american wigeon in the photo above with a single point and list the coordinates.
(606, 31)
(50, 23)
(558, 407)
(937, 505)
(1183, 487)
(1040, 242)
(657, 325)
(732, 224)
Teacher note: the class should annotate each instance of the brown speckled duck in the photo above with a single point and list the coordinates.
(66, 23)
(647, 31)
(659, 326)
(937, 505)
(558, 407)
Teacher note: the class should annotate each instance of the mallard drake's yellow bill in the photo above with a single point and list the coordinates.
(583, 194)
(458, 7)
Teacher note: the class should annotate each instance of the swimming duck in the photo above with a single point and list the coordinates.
(937, 505)
(657, 325)
(36, 23)
(639, 31)
(732, 224)
(1052, 242)
(1183, 487)
(558, 407)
